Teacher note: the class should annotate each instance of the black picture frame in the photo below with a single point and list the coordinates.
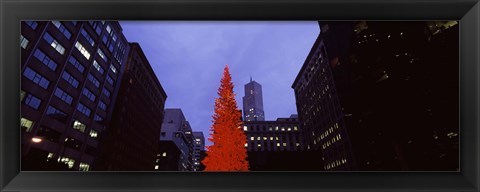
(12, 11)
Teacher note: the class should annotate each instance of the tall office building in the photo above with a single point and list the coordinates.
(199, 150)
(176, 129)
(253, 102)
(320, 112)
(398, 87)
(70, 73)
(131, 140)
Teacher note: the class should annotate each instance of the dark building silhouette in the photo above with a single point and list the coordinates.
(398, 86)
(253, 102)
(320, 112)
(168, 157)
(70, 73)
(131, 142)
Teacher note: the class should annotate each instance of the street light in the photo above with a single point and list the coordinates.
(36, 139)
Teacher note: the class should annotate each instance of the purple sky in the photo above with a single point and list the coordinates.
(188, 58)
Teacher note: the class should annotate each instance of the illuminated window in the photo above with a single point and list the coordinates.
(98, 67)
(271, 138)
(102, 55)
(23, 42)
(245, 128)
(289, 129)
(156, 167)
(82, 50)
(264, 138)
(252, 138)
(278, 144)
(54, 43)
(284, 144)
(259, 145)
(164, 154)
(114, 70)
(295, 128)
(66, 160)
(246, 144)
(26, 124)
(93, 134)
(80, 126)
(84, 167)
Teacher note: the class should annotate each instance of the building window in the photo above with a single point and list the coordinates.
(106, 92)
(164, 154)
(62, 29)
(114, 70)
(23, 42)
(54, 43)
(79, 126)
(97, 118)
(82, 50)
(88, 37)
(56, 114)
(33, 101)
(70, 79)
(93, 80)
(93, 134)
(102, 105)
(97, 26)
(109, 80)
(76, 64)
(63, 96)
(32, 24)
(84, 167)
(98, 67)
(89, 94)
(68, 161)
(84, 109)
(102, 55)
(26, 124)
(40, 55)
(36, 78)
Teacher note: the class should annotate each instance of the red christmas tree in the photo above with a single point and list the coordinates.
(227, 152)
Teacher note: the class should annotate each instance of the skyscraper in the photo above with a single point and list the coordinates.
(320, 112)
(253, 102)
(70, 73)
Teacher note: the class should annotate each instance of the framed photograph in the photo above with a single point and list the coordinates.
(239, 95)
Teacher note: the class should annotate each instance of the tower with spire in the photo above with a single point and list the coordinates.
(253, 102)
